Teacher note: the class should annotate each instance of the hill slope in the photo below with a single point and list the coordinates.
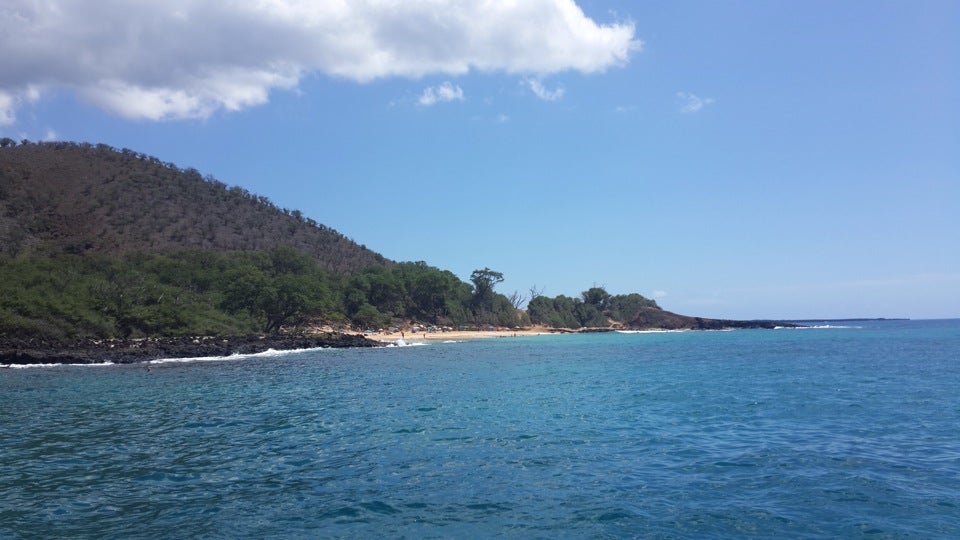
(76, 198)
(97, 243)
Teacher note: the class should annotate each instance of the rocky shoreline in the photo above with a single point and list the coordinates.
(14, 351)
(129, 351)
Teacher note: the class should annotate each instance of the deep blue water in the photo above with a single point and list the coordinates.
(832, 432)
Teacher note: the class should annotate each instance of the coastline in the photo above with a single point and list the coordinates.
(16, 352)
(391, 338)
(132, 351)
(466, 335)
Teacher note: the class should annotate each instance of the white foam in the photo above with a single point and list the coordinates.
(269, 353)
(648, 331)
(817, 327)
(25, 366)
(403, 343)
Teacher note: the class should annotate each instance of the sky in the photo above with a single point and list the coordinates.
(730, 159)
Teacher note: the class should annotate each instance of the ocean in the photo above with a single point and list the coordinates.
(847, 430)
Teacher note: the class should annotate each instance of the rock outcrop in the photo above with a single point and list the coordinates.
(14, 351)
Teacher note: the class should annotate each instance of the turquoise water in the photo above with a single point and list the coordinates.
(830, 432)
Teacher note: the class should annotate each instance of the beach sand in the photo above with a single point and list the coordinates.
(456, 335)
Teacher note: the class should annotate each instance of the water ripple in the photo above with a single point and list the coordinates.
(776, 434)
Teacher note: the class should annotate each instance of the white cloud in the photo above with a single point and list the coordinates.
(170, 59)
(231, 90)
(502, 118)
(50, 135)
(447, 91)
(11, 99)
(8, 113)
(659, 294)
(543, 92)
(690, 103)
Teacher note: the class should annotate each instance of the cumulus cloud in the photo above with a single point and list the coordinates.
(7, 110)
(170, 59)
(10, 100)
(543, 92)
(690, 103)
(445, 92)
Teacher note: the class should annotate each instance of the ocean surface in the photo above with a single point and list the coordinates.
(848, 430)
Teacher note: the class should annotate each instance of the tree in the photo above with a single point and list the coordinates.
(245, 285)
(596, 296)
(589, 316)
(287, 260)
(566, 312)
(516, 299)
(369, 317)
(7, 141)
(503, 312)
(541, 311)
(121, 294)
(627, 307)
(483, 295)
(285, 297)
(535, 292)
(429, 292)
(386, 291)
(484, 281)
(355, 295)
(276, 288)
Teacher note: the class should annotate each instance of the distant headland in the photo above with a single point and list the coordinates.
(853, 319)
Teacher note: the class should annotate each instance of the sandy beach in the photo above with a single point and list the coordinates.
(457, 335)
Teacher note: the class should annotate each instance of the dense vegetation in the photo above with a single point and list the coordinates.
(69, 296)
(100, 243)
(595, 308)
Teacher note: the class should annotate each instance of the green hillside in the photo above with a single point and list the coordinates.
(100, 243)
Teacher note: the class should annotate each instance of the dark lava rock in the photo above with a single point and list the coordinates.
(128, 351)
(655, 318)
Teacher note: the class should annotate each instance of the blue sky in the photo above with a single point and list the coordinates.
(737, 159)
